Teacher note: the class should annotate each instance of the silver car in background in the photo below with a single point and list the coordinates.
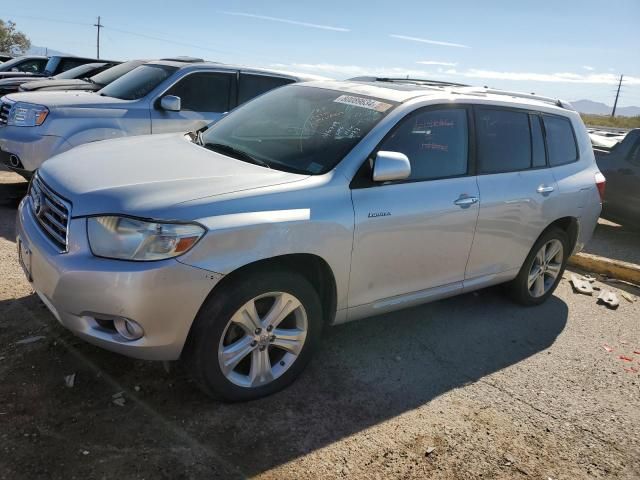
(171, 95)
(312, 205)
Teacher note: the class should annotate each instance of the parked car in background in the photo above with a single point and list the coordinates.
(311, 205)
(27, 64)
(5, 58)
(53, 65)
(92, 83)
(9, 85)
(157, 97)
(621, 166)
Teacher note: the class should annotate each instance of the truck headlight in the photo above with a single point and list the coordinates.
(126, 238)
(24, 114)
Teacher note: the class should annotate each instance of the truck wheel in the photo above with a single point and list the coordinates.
(254, 336)
(542, 269)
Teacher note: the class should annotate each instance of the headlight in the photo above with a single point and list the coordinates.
(27, 114)
(126, 238)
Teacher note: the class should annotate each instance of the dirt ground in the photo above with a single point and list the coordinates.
(470, 387)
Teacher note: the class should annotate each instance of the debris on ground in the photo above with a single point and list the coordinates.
(28, 340)
(508, 460)
(85, 452)
(589, 278)
(137, 388)
(630, 369)
(429, 451)
(607, 348)
(625, 358)
(118, 399)
(609, 299)
(628, 297)
(581, 286)
(70, 380)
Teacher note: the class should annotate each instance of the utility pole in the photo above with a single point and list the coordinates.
(615, 104)
(99, 26)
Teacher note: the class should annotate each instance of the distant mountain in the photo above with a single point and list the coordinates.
(598, 108)
(35, 50)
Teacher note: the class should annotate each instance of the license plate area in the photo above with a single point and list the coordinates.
(24, 258)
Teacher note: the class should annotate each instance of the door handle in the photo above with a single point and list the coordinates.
(544, 189)
(466, 201)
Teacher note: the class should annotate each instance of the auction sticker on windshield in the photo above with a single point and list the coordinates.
(363, 102)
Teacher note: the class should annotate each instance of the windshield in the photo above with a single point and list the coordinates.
(300, 129)
(77, 72)
(138, 82)
(113, 73)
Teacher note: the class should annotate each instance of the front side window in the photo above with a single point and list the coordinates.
(504, 140)
(435, 141)
(299, 129)
(203, 92)
(252, 85)
(561, 143)
(138, 82)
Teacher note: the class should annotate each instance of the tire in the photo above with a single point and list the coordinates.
(213, 331)
(519, 288)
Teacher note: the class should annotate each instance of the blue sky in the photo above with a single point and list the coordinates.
(564, 48)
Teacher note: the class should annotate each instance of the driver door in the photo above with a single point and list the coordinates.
(204, 96)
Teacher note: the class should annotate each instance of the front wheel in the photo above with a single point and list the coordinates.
(542, 269)
(254, 336)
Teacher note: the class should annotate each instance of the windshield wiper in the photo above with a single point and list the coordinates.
(231, 151)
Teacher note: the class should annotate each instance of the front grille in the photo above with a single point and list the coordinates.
(51, 211)
(4, 112)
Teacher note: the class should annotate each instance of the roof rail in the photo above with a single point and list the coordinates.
(184, 59)
(414, 81)
(495, 91)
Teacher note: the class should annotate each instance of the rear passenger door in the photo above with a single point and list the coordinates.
(250, 85)
(205, 97)
(415, 234)
(517, 190)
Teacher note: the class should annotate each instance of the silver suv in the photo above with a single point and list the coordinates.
(312, 205)
(158, 97)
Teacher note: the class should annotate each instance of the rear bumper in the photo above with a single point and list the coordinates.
(82, 291)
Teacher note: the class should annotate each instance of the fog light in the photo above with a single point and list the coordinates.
(128, 328)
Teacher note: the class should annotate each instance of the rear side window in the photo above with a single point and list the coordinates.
(435, 141)
(504, 140)
(204, 92)
(253, 85)
(561, 144)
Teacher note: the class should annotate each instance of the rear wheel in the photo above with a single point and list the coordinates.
(255, 336)
(542, 269)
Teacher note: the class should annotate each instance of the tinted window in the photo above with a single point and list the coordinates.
(539, 157)
(435, 141)
(504, 141)
(113, 73)
(561, 143)
(253, 85)
(634, 158)
(70, 63)
(79, 72)
(300, 129)
(29, 66)
(138, 82)
(203, 92)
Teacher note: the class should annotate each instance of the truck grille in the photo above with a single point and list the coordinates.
(4, 112)
(51, 211)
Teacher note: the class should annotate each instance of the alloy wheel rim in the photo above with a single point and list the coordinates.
(262, 339)
(545, 268)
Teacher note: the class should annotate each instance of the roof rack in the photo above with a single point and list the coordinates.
(184, 59)
(532, 96)
(414, 81)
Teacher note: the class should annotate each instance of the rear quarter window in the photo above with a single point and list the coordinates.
(252, 85)
(561, 141)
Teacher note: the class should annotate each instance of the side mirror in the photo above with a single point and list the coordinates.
(391, 166)
(170, 103)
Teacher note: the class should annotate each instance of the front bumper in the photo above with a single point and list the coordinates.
(30, 147)
(82, 291)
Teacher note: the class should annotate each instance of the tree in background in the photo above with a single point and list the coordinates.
(12, 41)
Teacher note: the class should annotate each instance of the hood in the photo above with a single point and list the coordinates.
(148, 174)
(11, 82)
(66, 99)
(69, 84)
(11, 75)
